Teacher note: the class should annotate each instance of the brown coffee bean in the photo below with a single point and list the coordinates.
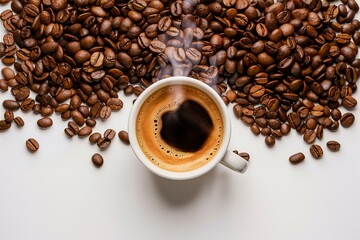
(316, 151)
(311, 123)
(32, 145)
(3, 85)
(4, 125)
(115, 104)
(45, 122)
(103, 143)
(285, 128)
(255, 129)
(309, 136)
(8, 73)
(97, 59)
(8, 116)
(123, 136)
(270, 141)
(94, 137)
(349, 102)
(294, 120)
(333, 146)
(22, 94)
(73, 127)
(109, 134)
(19, 121)
(84, 131)
(11, 104)
(105, 112)
(97, 160)
(77, 117)
(347, 119)
(297, 158)
(90, 122)
(69, 132)
(336, 114)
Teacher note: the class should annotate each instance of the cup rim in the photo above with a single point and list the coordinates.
(163, 172)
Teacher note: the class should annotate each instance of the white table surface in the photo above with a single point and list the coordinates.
(58, 194)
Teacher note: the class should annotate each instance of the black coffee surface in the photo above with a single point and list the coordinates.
(186, 128)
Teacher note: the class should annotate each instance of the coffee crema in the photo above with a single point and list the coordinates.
(149, 125)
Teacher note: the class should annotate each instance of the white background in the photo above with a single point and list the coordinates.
(57, 193)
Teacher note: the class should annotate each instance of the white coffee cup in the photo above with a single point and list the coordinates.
(223, 155)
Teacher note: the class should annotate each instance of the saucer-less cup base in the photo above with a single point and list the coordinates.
(224, 156)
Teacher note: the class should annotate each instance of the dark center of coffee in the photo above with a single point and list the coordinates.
(187, 127)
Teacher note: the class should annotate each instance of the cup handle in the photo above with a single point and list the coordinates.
(234, 162)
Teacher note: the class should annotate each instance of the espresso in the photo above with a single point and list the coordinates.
(179, 128)
(187, 127)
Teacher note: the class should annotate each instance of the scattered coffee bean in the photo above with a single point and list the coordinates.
(45, 122)
(297, 158)
(270, 141)
(284, 65)
(109, 134)
(97, 160)
(4, 125)
(347, 119)
(85, 131)
(333, 146)
(32, 145)
(94, 137)
(103, 143)
(69, 132)
(19, 121)
(9, 116)
(316, 151)
(124, 137)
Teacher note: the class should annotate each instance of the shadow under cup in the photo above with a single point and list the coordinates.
(145, 125)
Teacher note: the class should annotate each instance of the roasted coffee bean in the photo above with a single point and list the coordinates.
(297, 158)
(293, 120)
(103, 143)
(109, 134)
(84, 131)
(3, 85)
(309, 136)
(333, 146)
(115, 104)
(270, 141)
(255, 129)
(94, 137)
(336, 114)
(311, 123)
(69, 132)
(11, 104)
(285, 128)
(349, 102)
(19, 121)
(8, 116)
(73, 127)
(4, 125)
(123, 136)
(316, 151)
(347, 119)
(97, 160)
(45, 122)
(271, 54)
(32, 145)
(90, 122)
(8, 73)
(77, 117)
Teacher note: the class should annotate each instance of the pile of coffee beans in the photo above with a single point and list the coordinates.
(283, 65)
